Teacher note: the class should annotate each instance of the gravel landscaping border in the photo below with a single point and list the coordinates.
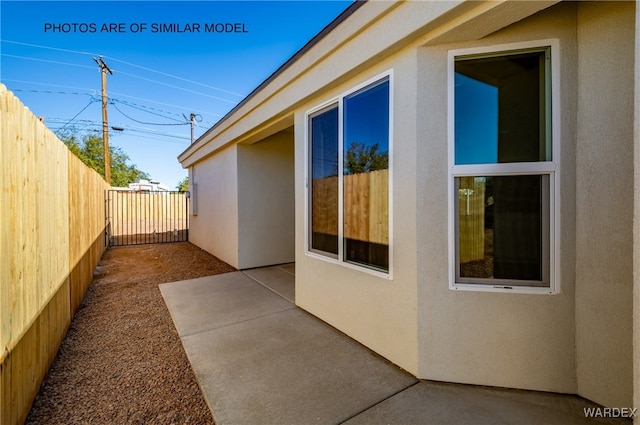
(122, 361)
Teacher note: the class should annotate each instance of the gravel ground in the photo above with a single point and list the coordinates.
(122, 361)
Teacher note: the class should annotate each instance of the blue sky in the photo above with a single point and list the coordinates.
(476, 125)
(47, 50)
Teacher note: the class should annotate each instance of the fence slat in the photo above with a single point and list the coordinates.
(147, 217)
(52, 226)
(366, 206)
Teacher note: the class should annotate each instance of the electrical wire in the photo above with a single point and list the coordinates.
(95, 126)
(143, 109)
(47, 47)
(167, 104)
(76, 115)
(126, 63)
(46, 60)
(50, 92)
(129, 104)
(142, 122)
(94, 92)
(174, 76)
(175, 87)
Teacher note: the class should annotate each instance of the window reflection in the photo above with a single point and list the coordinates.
(501, 226)
(324, 181)
(366, 176)
(500, 109)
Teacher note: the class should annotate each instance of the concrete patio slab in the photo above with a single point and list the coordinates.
(457, 404)
(288, 368)
(291, 268)
(260, 360)
(280, 279)
(215, 301)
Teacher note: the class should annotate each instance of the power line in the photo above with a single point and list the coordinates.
(167, 104)
(50, 92)
(48, 47)
(145, 109)
(76, 115)
(142, 122)
(45, 60)
(126, 63)
(133, 76)
(112, 100)
(123, 73)
(185, 139)
(174, 76)
(143, 134)
(50, 85)
(176, 87)
(94, 92)
(96, 126)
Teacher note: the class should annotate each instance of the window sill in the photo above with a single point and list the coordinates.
(474, 287)
(372, 272)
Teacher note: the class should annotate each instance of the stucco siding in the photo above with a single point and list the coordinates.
(266, 221)
(215, 228)
(488, 338)
(253, 198)
(604, 196)
(377, 311)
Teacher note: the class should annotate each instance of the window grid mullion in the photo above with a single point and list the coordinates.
(512, 168)
(340, 179)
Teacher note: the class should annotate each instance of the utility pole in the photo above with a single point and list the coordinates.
(105, 120)
(192, 119)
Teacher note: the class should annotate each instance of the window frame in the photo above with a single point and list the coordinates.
(550, 168)
(338, 101)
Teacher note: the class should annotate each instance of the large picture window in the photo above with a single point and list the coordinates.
(348, 168)
(503, 169)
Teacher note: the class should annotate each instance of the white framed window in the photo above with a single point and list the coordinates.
(504, 168)
(348, 172)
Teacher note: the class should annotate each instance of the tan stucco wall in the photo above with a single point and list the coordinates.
(604, 202)
(381, 313)
(561, 342)
(502, 339)
(215, 228)
(511, 340)
(266, 220)
(579, 340)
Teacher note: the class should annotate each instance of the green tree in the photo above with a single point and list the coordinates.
(361, 158)
(91, 152)
(183, 185)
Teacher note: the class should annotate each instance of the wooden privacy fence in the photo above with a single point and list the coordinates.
(52, 237)
(366, 206)
(471, 211)
(135, 218)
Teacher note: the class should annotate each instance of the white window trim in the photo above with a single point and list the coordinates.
(552, 168)
(339, 100)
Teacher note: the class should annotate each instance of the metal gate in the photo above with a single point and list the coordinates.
(141, 217)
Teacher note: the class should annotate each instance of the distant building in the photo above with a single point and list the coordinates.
(146, 186)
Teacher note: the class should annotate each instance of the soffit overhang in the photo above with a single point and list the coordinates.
(357, 39)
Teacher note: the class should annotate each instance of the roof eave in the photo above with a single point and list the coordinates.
(204, 138)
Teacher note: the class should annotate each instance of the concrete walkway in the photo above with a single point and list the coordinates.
(261, 360)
